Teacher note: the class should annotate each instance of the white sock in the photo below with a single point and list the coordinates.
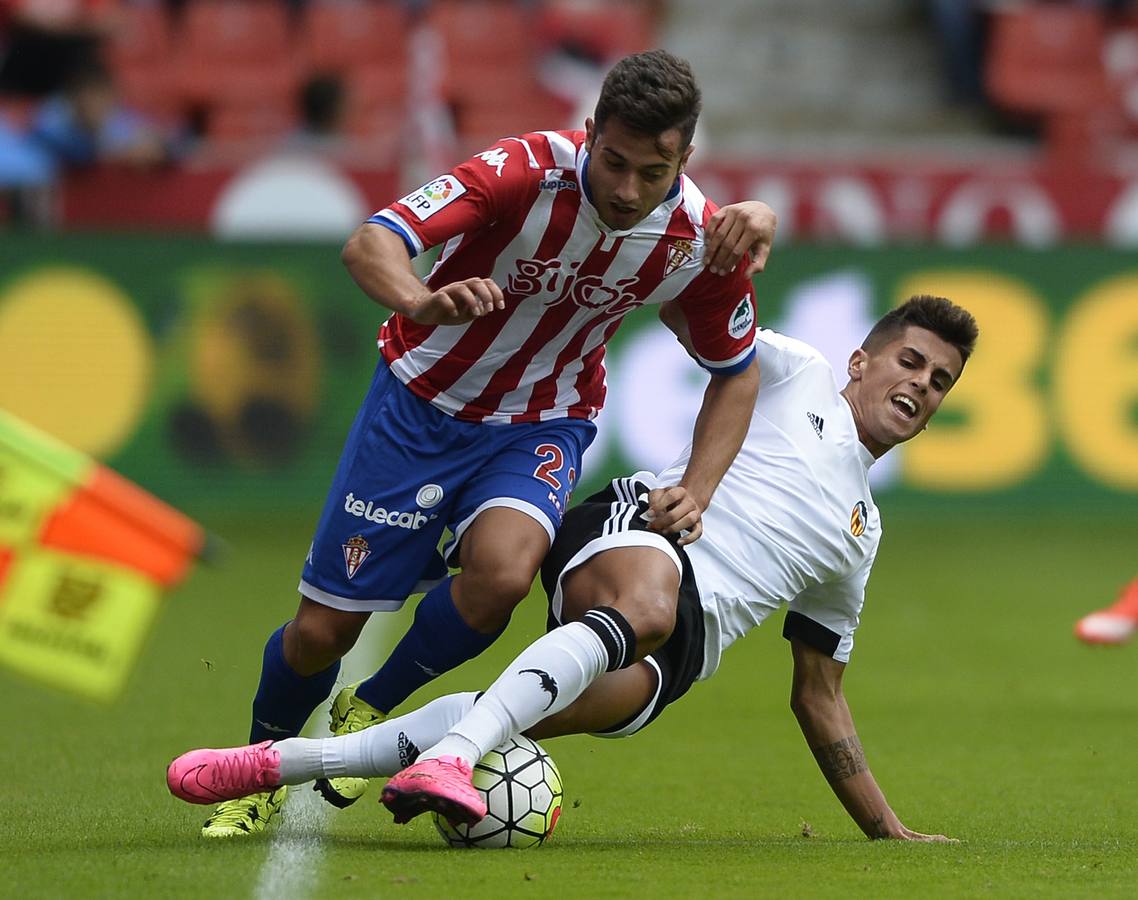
(546, 677)
(382, 749)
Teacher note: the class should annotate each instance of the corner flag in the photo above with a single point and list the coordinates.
(84, 558)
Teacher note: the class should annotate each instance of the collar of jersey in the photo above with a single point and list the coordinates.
(867, 458)
(668, 205)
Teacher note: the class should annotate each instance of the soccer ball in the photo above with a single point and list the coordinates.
(522, 790)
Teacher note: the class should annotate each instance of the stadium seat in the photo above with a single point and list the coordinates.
(481, 33)
(480, 126)
(150, 89)
(245, 121)
(336, 35)
(1047, 59)
(378, 83)
(231, 51)
(602, 30)
(230, 30)
(375, 122)
(141, 38)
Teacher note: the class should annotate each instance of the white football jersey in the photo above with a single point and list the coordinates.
(793, 520)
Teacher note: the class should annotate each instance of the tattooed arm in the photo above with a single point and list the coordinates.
(818, 704)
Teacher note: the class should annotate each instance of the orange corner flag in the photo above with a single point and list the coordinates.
(85, 555)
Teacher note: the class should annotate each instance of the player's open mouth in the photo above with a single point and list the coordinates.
(904, 405)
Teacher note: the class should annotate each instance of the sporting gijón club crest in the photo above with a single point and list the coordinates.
(356, 551)
(679, 253)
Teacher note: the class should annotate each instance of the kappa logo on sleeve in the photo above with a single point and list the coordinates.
(742, 319)
(495, 159)
(430, 198)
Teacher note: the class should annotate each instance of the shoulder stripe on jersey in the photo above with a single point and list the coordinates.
(533, 163)
(564, 150)
(695, 203)
(733, 366)
(396, 223)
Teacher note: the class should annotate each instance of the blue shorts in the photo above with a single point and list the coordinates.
(409, 471)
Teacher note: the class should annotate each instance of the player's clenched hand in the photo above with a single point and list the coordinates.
(672, 510)
(736, 229)
(459, 302)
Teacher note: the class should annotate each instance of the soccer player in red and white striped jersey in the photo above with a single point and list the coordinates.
(491, 373)
(524, 214)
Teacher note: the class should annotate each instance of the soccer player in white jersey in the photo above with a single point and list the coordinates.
(640, 616)
(491, 371)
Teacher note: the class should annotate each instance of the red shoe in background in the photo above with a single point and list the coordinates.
(1114, 625)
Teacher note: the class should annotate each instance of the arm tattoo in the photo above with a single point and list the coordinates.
(878, 826)
(841, 759)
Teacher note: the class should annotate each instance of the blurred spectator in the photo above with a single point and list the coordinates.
(322, 104)
(87, 124)
(26, 174)
(962, 28)
(46, 41)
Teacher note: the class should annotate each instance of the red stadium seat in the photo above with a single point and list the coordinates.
(604, 29)
(383, 83)
(480, 126)
(346, 34)
(204, 85)
(377, 97)
(231, 50)
(141, 38)
(245, 121)
(1047, 59)
(478, 33)
(149, 88)
(235, 30)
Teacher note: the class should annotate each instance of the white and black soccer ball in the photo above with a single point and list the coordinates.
(522, 789)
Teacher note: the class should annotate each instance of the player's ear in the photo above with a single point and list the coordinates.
(590, 133)
(686, 156)
(858, 359)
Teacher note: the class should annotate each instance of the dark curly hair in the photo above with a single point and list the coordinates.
(951, 323)
(651, 93)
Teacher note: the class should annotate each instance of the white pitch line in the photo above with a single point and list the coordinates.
(292, 869)
(296, 854)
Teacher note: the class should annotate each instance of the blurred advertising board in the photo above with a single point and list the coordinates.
(1022, 198)
(228, 374)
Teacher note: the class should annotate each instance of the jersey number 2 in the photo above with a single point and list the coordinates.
(552, 459)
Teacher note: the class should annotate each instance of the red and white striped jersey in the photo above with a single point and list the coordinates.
(520, 213)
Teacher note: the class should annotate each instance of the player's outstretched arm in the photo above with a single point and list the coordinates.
(378, 261)
(820, 707)
(746, 227)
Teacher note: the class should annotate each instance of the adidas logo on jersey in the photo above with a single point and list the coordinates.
(817, 422)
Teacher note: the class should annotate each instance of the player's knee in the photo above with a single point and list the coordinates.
(499, 588)
(653, 618)
(320, 641)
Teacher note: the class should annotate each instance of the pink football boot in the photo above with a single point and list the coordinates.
(1114, 625)
(210, 776)
(444, 785)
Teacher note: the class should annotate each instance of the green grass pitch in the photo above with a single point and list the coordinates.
(981, 716)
